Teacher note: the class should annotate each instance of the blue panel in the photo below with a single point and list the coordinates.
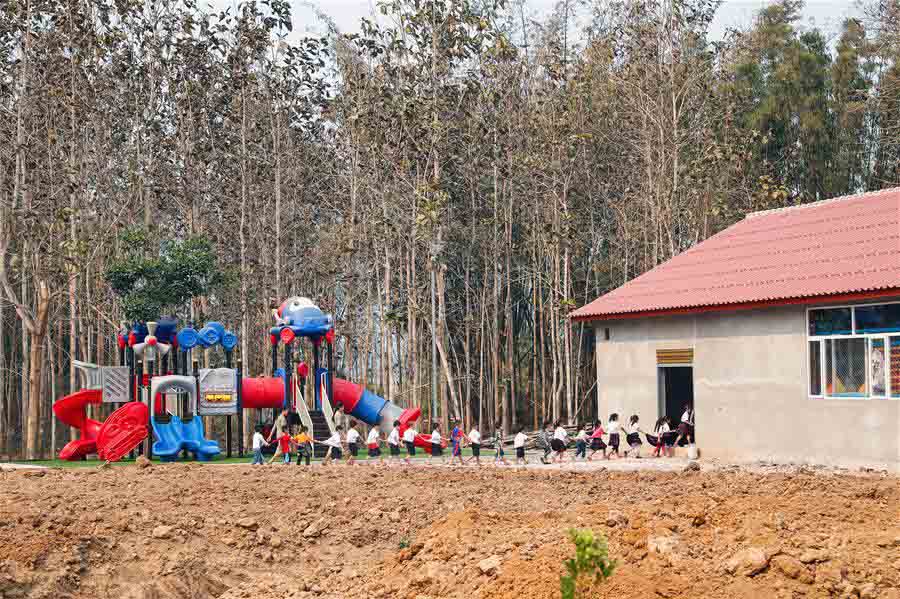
(369, 408)
(229, 340)
(208, 336)
(165, 329)
(187, 338)
(218, 327)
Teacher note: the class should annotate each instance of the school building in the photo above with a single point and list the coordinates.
(782, 330)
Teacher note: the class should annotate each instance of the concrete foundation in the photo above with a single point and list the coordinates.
(750, 373)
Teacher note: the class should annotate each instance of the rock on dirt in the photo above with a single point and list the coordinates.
(616, 518)
(814, 556)
(662, 544)
(162, 532)
(490, 566)
(748, 562)
(792, 568)
(315, 529)
(692, 467)
(248, 523)
(142, 462)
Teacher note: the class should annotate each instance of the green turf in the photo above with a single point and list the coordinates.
(486, 454)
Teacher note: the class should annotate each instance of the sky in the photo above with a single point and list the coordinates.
(825, 14)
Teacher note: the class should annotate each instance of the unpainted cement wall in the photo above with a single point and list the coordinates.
(750, 391)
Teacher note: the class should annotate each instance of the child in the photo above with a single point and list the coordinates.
(519, 443)
(686, 426)
(284, 443)
(334, 448)
(258, 443)
(498, 445)
(304, 446)
(352, 443)
(436, 449)
(409, 439)
(633, 438)
(614, 427)
(659, 429)
(457, 437)
(394, 441)
(373, 442)
(581, 442)
(475, 444)
(545, 439)
(559, 442)
(597, 443)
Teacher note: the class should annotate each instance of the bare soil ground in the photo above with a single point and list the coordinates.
(202, 531)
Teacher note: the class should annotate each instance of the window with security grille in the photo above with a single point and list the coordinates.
(846, 367)
(894, 372)
(815, 368)
(877, 367)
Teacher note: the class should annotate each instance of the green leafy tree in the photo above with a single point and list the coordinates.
(151, 285)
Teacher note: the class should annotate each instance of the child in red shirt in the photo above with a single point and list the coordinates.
(284, 442)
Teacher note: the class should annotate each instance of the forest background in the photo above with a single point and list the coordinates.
(450, 181)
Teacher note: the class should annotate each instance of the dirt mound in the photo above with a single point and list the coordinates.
(238, 532)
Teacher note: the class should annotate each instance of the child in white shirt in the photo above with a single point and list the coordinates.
(581, 442)
(258, 442)
(436, 449)
(409, 440)
(560, 442)
(352, 443)
(519, 444)
(633, 437)
(614, 428)
(475, 444)
(334, 447)
(394, 441)
(373, 443)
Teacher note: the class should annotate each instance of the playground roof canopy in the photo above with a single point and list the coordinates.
(846, 248)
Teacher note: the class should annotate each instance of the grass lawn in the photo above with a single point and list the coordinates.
(486, 455)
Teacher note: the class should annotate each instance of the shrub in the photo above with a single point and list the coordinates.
(590, 565)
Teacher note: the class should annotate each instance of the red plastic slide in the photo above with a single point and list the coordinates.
(123, 430)
(71, 410)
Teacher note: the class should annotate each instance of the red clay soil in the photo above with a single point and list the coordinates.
(239, 532)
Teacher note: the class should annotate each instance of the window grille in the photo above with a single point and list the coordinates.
(846, 361)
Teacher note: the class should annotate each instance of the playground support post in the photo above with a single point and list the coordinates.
(151, 371)
(185, 357)
(330, 373)
(240, 409)
(138, 384)
(288, 355)
(317, 387)
(227, 418)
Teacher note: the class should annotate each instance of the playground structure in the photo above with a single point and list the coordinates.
(157, 363)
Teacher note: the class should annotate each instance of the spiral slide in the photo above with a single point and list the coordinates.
(123, 430)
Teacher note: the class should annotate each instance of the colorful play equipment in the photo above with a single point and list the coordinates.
(156, 365)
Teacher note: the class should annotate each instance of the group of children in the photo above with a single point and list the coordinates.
(554, 439)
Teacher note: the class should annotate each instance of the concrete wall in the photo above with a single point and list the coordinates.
(750, 389)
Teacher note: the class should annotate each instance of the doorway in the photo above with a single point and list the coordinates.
(676, 388)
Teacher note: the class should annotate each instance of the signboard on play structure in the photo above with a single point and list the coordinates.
(114, 383)
(218, 391)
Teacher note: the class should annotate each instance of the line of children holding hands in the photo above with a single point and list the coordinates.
(553, 438)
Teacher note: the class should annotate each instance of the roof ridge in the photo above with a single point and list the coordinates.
(855, 196)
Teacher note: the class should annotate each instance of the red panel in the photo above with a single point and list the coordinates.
(836, 247)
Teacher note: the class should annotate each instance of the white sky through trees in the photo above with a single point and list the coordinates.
(824, 14)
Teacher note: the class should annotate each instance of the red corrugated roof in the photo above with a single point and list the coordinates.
(835, 247)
